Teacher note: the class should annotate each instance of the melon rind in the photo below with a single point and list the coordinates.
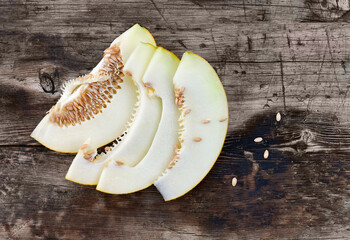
(122, 179)
(205, 96)
(140, 134)
(105, 126)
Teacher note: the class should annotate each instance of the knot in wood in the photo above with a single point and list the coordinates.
(48, 77)
(307, 136)
(328, 10)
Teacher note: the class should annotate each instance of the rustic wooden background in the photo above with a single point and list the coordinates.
(287, 56)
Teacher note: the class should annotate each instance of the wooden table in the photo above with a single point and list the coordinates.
(284, 56)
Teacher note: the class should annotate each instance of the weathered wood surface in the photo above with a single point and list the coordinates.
(273, 56)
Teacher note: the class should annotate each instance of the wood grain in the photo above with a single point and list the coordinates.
(272, 56)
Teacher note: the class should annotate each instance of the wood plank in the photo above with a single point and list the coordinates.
(272, 56)
(299, 189)
(314, 72)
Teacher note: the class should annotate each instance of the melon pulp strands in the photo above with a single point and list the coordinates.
(69, 139)
(203, 129)
(106, 125)
(140, 133)
(128, 41)
(121, 179)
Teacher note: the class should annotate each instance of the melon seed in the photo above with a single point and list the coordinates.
(278, 117)
(266, 154)
(83, 146)
(234, 181)
(119, 163)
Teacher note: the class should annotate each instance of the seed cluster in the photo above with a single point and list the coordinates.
(179, 98)
(179, 101)
(176, 156)
(96, 95)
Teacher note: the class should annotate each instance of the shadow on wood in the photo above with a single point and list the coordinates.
(303, 184)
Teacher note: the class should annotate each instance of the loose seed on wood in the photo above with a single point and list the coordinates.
(234, 181)
(266, 154)
(278, 117)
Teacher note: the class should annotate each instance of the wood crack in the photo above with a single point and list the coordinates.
(332, 59)
(158, 10)
(216, 50)
(282, 82)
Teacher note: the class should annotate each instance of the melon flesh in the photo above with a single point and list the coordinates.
(101, 124)
(203, 123)
(140, 133)
(117, 178)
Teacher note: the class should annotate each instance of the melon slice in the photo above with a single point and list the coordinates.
(86, 167)
(97, 105)
(118, 178)
(202, 102)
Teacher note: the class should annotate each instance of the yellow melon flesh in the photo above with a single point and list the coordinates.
(203, 122)
(140, 133)
(118, 178)
(102, 105)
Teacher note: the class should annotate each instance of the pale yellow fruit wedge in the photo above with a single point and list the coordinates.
(203, 126)
(98, 105)
(86, 168)
(118, 178)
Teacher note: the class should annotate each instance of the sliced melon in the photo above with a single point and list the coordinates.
(97, 105)
(202, 101)
(86, 167)
(118, 178)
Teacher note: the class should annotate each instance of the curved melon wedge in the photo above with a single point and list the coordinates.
(140, 133)
(97, 105)
(118, 178)
(203, 122)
